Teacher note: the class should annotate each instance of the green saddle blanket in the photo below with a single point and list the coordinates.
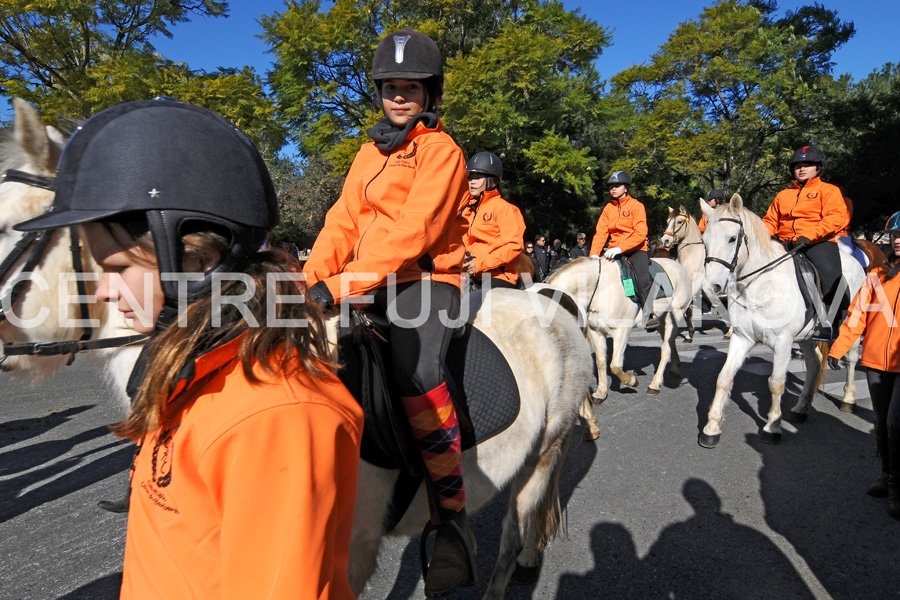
(661, 282)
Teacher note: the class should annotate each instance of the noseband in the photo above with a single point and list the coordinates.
(731, 266)
(38, 242)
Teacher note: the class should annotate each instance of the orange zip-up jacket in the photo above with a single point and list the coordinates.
(247, 491)
(816, 211)
(702, 224)
(398, 213)
(846, 229)
(875, 312)
(495, 234)
(624, 223)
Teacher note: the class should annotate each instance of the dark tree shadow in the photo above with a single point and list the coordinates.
(15, 432)
(708, 556)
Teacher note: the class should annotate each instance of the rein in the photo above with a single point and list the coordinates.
(679, 228)
(38, 242)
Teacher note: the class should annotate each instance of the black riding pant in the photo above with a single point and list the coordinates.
(641, 262)
(827, 259)
(419, 313)
(884, 389)
(493, 282)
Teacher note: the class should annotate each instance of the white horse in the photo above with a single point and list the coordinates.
(544, 345)
(765, 306)
(45, 308)
(597, 284)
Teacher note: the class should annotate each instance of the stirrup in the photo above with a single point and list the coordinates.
(470, 556)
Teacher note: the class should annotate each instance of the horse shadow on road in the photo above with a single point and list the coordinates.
(487, 525)
(708, 556)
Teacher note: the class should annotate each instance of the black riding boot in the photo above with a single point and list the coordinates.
(452, 565)
(121, 505)
(879, 487)
(893, 482)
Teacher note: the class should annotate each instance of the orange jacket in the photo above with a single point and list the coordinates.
(702, 224)
(875, 312)
(494, 237)
(395, 211)
(846, 229)
(816, 211)
(247, 491)
(624, 223)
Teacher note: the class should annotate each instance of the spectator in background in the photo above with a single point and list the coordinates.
(580, 250)
(558, 255)
(529, 252)
(543, 258)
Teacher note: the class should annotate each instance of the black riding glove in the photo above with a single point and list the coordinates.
(321, 295)
(802, 241)
(788, 245)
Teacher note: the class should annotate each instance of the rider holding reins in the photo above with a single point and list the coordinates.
(496, 227)
(622, 230)
(394, 239)
(807, 216)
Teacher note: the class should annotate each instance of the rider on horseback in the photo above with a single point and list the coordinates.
(622, 230)
(713, 198)
(807, 216)
(496, 227)
(395, 237)
(248, 446)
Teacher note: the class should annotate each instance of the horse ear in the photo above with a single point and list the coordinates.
(31, 134)
(737, 203)
(671, 210)
(682, 210)
(706, 208)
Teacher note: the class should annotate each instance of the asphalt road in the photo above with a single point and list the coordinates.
(648, 512)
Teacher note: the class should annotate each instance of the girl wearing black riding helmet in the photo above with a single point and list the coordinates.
(394, 239)
(875, 312)
(248, 445)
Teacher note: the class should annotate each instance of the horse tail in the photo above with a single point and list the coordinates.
(548, 512)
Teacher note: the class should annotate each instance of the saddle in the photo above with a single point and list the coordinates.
(481, 383)
(658, 275)
(810, 286)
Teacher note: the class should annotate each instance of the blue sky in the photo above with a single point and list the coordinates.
(639, 27)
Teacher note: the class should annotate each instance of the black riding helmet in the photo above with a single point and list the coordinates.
(619, 178)
(809, 154)
(486, 163)
(182, 166)
(716, 193)
(408, 54)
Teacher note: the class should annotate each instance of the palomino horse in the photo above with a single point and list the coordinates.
(765, 306)
(597, 284)
(683, 233)
(544, 345)
(45, 309)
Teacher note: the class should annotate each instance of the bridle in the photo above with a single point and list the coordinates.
(37, 242)
(681, 225)
(732, 265)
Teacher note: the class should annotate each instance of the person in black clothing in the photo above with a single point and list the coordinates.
(543, 259)
(559, 256)
(580, 249)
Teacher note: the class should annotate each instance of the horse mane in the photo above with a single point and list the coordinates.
(756, 230)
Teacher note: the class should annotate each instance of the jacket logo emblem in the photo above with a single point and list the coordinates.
(626, 213)
(812, 194)
(399, 47)
(487, 216)
(163, 454)
(411, 154)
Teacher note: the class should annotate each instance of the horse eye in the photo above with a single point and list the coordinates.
(732, 239)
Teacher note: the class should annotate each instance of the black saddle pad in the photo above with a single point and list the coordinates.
(657, 274)
(481, 382)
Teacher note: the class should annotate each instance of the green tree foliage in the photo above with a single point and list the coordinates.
(722, 103)
(860, 129)
(519, 81)
(72, 58)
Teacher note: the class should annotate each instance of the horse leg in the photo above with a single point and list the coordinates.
(812, 357)
(620, 340)
(368, 516)
(738, 348)
(771, 433)
(590, 420)
(598, 342)
(667, 332)
(848, 402)
(532, 519)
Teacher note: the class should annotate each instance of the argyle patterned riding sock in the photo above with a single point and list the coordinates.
(436, 430)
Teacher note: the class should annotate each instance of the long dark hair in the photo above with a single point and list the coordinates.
(283, 350)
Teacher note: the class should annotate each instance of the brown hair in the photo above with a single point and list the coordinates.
(282, 350)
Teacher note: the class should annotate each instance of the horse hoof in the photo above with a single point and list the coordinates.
(847, 407)
(590, 434)
(709, 441)
(798, 418)
(769, 438)
(525, 575)
(598, 400)
(652, 392)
